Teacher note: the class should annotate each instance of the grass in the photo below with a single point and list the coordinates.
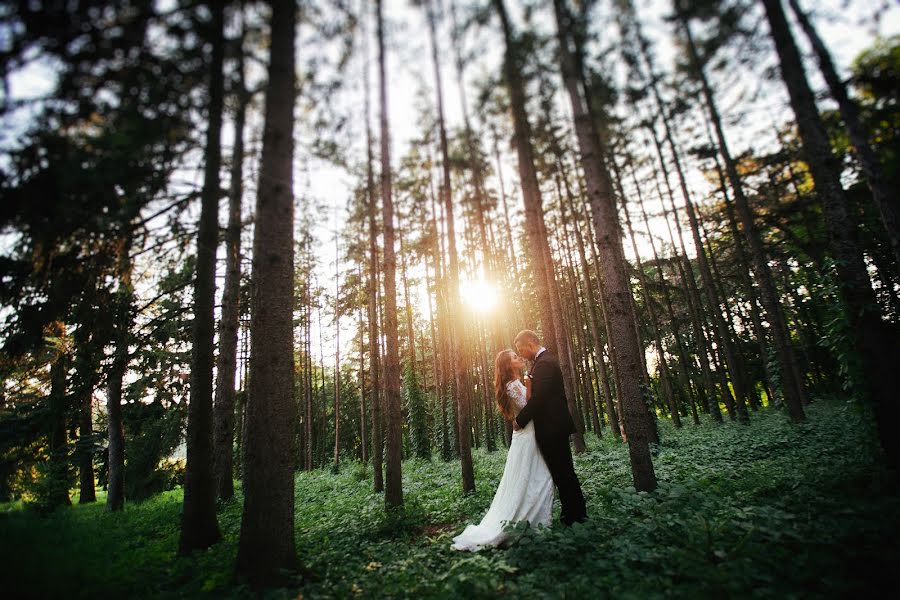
(766, 510)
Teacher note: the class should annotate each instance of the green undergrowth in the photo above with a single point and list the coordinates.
(766, 510)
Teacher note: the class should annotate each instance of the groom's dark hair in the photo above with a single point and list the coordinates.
(527, 335)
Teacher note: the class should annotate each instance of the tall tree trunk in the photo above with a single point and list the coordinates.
(363, 433)
(372, 285)
(87, 492)
(793, 389)
(540, 255)
(199, 528)
(230, 320)
(123, 317)
(613, 412)
(336, 463)
(876, 341)
(746, 284)
(439, 332)
(458, 364)
(480, 196)
(337, 354)
(310, 376)
(408, 313)
(573, 309)
(720, 327)
(393, 494)
(606, 224)
(58, 493)
(266, 543)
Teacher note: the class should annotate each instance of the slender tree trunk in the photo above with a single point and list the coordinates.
(876, 341)
(87, 492)
(363, 433)
(480, 195)
(115, 497)
(606, 224)
(746, 284)
(199, 528)
(310, 377)
(266, 544)
(393, 479)
(372, 285)
(458, 364)
(534, 214)
(337, 358)
(439, 334)
(230, 320)
(612, 412)
(58, 494)
(408, 313)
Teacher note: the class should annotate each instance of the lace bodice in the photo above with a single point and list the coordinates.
(516, 391)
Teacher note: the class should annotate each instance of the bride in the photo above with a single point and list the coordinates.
(525, 492)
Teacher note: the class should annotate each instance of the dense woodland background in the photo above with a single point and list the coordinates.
(227, 306)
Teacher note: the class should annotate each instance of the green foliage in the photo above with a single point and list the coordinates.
(835, 334)
(414, 398)
(152, 434)
(765, 510)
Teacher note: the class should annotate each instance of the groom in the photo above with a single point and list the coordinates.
(552, 424)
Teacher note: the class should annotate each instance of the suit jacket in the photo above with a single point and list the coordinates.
(547, 406)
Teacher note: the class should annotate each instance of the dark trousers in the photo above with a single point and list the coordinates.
(558, 457)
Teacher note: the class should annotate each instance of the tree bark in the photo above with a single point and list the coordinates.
(228, 325)
(393, 494)
(372, 285)
(606, 225)
(266, 543)
(123, 317)
(337, 359)
(58, 493)
(87, 491)
(199, 527)
(657, 335)
(534, 215)
(458, 364)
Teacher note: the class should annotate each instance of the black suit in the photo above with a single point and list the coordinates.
(552, 426)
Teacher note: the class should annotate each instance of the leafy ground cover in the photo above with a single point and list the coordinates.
(765, 510)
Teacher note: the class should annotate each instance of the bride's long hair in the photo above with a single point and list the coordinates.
(503, 374)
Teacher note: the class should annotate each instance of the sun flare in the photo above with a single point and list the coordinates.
(479, 295)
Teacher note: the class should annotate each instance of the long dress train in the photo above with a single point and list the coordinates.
(525, 492)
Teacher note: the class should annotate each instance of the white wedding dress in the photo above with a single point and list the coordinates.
(525, 492)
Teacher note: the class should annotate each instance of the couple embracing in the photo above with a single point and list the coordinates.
(539, 456)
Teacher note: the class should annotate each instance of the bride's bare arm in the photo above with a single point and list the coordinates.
(527, 382)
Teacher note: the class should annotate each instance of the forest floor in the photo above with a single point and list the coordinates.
(766, 510)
